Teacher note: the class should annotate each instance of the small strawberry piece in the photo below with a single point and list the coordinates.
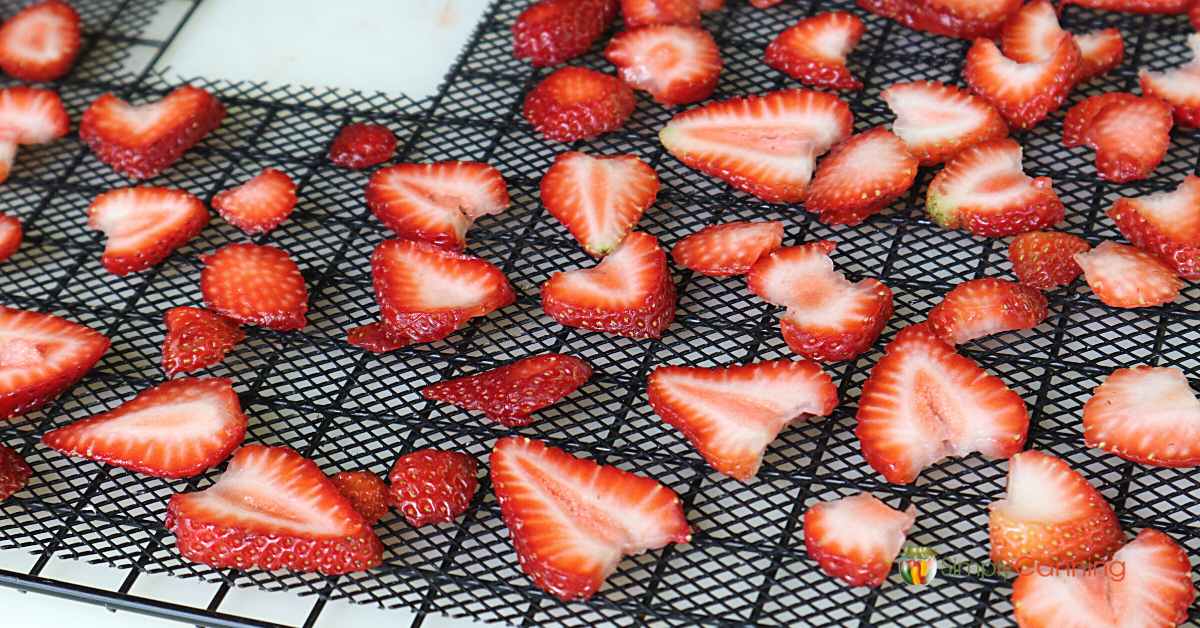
(728, 249)
(553, 31)
(197, 339)
(1024, 93)
(1134, 6)
(1131, 138)
(28, 116)
(984, 191)
(1178, 86)
(645, 12)
(361, 145)
(675, 64)
(1078, 121)
(366, 492)
(1123, 276)
(813, 50)
(177, 429)
(731, 414)
(982, 307)
(1166, 224)
(1100, 52)
(509, 394)
(40, 357)
(1051, 517)
(629, 293)
(964, 19)
(144, 225)
(273, 509)
(11, 235)
(572, 520)
(1046, 260)
(763, 145)
(1034, 32)
(764, 4)
(923, 402)
(41, 42)
(140, 141)
(14, 472)
(578, 104)
(598, 199)
(436, 202)
(375, 338)
(936, 121)
(430, 486)
(708, 6)
(1145, 414)
(255, 284)
(860, 177)
(856, 538)
(260, 204)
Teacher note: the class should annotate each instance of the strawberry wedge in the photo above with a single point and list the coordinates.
(964, 19)
(675, 64)
(28, 116)
(1034, 32)
(255, 284)
(856, 538)
(436, 202)
(1126, 277)
(598, 199)
(936, 121)
(41, 356)
(1045, 259)
(1166, 224)
(1131, 135)
(860, 177)
(982, 307)
(509, 394)
(727, 249)
(40, 42)
(1178, 86)
(553, 31)
(813, 50)
(1145, 414)
(144, 225)
(1024, 93)
(196, 339)
(260, 204)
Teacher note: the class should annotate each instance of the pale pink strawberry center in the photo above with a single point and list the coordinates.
(18, 353)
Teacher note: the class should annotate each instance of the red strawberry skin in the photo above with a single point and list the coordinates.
(11, 235)
(578, 103)
(14, 472)
(728, 249)
(366, 491)
(255, 284)
(430, 486)
(260, 204)
(646, 12)
(376, 338)
(40, 43)
(360, 145)
(41, 356)
(197, 339)
(981, 307)
(1173, 237)
(935, 17)
(843, 343)
(802, 53)
(1046, 260)
(1022, 106)
(135, 243)
(511, 393)
(553, 31)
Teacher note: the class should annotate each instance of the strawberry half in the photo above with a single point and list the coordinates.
(177, 429)
(1147, 415)
(11, 235)
(1166, 224)
(731, 414)
(1046, 260)
(964, 19)
(197, 339)
(366, 492)
(509, 394)
(569, 550)
(361, 145)
(675, 64)
(255, 284)
(936, 121)
(645, 12)
(144, 225)
(14, 472)
(860, 177)
(813, 50)
(430, 486)
(40, 43)
(1078, 121)
(629, 293)
(1123, 276)
(763, 145)
(728, 249)
(1178, 86)
(982, 307)
(578, 104)
(273, 509)
(260, 204)
(1034, 32)
(923, 402)
(1134, 6)
(436, 202)
(598, 199)
(856, 538)
(553, 31)
(28, 116)
(1024, 93)
(41, 356)
(1131, 137)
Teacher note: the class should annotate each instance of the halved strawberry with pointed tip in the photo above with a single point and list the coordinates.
(436, 202)
(11, 235)
(965, 19)
(196, 339)
(860, 177)
(14, 472)
(1124, 276)
(923, 402)
(763, 145)
(813, 50)
(1024, 93)
(728, 249)
(1178, 86)
(856, 538)
(1078, 121)
(982, 307)
(41, 356)
(553, 31)
(144, 225)
(260, 204)
(255, 284)
(511, 393)
(1166, 224)
(1134, 6)
(578, 104)
(40, 42)
(28, 116)
(1131, 137)
(937, 121)
(645, 12)
(1046, 260)
(1033, 34)
(1145, 414)
(675, 64)
(598, 199)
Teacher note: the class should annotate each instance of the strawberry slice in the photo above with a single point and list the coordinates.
(1078, 121)
(923, 402)
(984, 191)
(40, 43)
(675, 64)
(731, 414)
(1034, 32)
(197, 339)
(1134, 6)
(1147, 415)
(11, 235)
(964, 19)
(361, 145)
(140, 141)
(430, 486)
(572, 520)
(366, 492)
(375, 337)
(728, 249)
(1024, 93)
(1166, 224)
(144, 225)
(813, 50)
(629, 293)
(260, 204)
(763, 145)
(860, 177)
(553, 31)
(255, 284)
(14, 472)
(645, 12)
(1178, 86)
(273, 509)
(578, 104)
(509, 394)
(177, 429)
(1051, 517)
(1046, 260)
(856, 538)
(40, 357)
(1123, 276)
(1131, 137)
(436, 202)
(982, 307)
(936, 121)
(598, 199)
(28, 116)
(1099, 53)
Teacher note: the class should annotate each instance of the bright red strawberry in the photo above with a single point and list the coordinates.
(1123, 276)
(361, 145)
(40, 42)
(144, 225)
(578, 104)
(675, 64)
(764, 145)
(553, 31)
(430, 486)
(1046, 260)
(645, 12)
(197, 339)
(1078, 121)
(1166, 224)
(436, 202)
(965, 19)
(982, 307)
(255, 284)
(923, 403)
(375, 337)
(732, 414)
(856, 538)
(1178, 86)
(984, 190)
(936, 121)
(28, 116)
(1100, 51)
(11, 235)
(140, 141)
(728, 249)
(860, 177)
(509, 394)
(40, 357)
(813, 50)
(568, 550)
(1034, 32)
(1131, 138)
(1134, 6)
(177, 429)
(273, 509)
(366, 492)
(1024, 93)
(1147, 415)
(260, 204)
(14, 472)
(598, 199)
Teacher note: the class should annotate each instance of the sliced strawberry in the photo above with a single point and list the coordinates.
(1178, 86)
(430, 486)
(860, 177)
(361, 145)
(629, 293)
(1100, 52)
(366, 492)
(1166, 224)
(1123, 276)
(140, 141)
(1024, 93)
(40, 42)
(1034, 32)
(572, 520)
(509, 394)
(1147, 415)
(11, 235)
(645, 12)
(813, 50)
(375, 337)
(708, 6)
(197, 339)
(255, 284)
(675, 64)
(982, 307)
(578, 104)
(965, 19)
(728, 249)
(28, 116)
(936, 121)
(856, 538)
(553, 31)
(273, 509)
(764, 145)
(436, 202)
(923, 402)
(260, 204)
(1134, 6)
(598, 199)
(1046, 260)
(177, 429)
(41, 356)
(731, 414)
(1078, 121)
(1131, 138)
(984, 190)
(144, 225)
(14, 472)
